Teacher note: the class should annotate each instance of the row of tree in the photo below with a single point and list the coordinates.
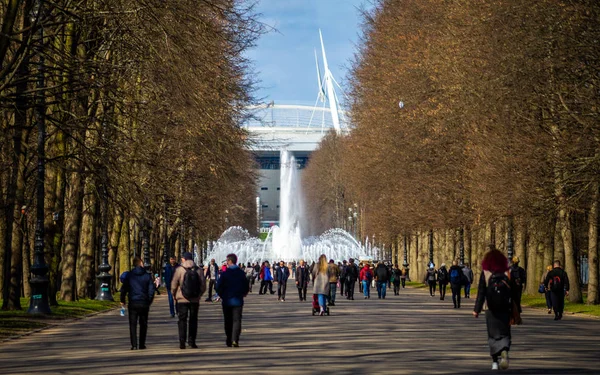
(142, 102)
(498, 140)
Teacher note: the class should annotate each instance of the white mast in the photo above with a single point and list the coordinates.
(333, 105)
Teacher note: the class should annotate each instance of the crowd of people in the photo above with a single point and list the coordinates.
(499, 288)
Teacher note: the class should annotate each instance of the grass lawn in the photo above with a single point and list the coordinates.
(14, 323)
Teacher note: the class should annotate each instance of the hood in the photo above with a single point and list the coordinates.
(138, 271)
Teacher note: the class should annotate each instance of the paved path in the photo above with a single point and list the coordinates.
(407, 334)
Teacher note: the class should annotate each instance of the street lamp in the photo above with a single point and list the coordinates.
(146, 243)
(39, 280)
(166, 254)
(104, 278)
(461, 245)
(430, 247)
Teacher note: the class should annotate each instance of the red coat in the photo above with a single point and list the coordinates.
(364, 276)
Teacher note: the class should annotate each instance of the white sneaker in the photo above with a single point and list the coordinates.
(504, 360)
(494, 365)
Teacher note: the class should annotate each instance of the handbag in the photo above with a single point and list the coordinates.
(542, 288)
(515, 315)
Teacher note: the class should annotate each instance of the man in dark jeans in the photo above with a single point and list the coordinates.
(343, 277)
(140, 288)
(351, 277)
(456, 276)
(283, 274)
(187, 305)
(168, 275)
(302, 280)
(557, 282)
(232, 288)
(212, 274)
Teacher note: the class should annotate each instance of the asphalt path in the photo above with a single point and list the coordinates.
(407, 334)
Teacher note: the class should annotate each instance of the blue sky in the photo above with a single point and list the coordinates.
(284, 59)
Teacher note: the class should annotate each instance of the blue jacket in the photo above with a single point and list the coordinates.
(283, 273)
(268, 275)
(139, 286)
(168, 275)
(232, 286)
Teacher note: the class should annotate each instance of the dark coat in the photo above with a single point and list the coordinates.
(352, 272)
(232, 286)
(282, 274)
(168, 275)
(382, 273)
(139, 286)
(302, 276)
(557, 271)
(461, 275)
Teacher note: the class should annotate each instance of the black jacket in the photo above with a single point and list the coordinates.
(461, 275)
(352, 272)
(518, 275)
(382, 273)
(302, 276)
(139, 286)
(232, 286)
(282, 274)
(557, 271)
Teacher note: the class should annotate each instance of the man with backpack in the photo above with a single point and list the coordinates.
(232, 287)
(366, 276)
(382, 277)
(442, 277)
(557, 282)
(456, 280)
(188, 285)
(140, 288)
(519, 278)
(351, 277)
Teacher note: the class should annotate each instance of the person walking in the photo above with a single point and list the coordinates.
(468, 272)
(188, 286)
(212, 274)
(283, 274)
(403, 276)
(456, 281)
(321, 282)
(168, 275)
(249, 272)
(557, 282)
(396, 277)
(495, 289)
(546, 291)
(302, 280)
(334, 277)
(267, 279)
(360, 284)
(442, 278)
(430, 279)
(519, 278)
(232, 288)
(138, 285)
(352, 275)
(382, 277)
(366, 276)
(343, 276)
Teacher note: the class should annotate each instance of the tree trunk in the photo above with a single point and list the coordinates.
(593, 298)
(570, 255)
(559, 246)
(124, 247)
(85, 262)
(532, 245)
(73, 216)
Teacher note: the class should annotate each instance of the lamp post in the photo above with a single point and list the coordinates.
(166, 254)
(146, 243)
(461, 246)
(510, 243)
(430, 247)
(104, 278)
(405, 262)
(39, 280)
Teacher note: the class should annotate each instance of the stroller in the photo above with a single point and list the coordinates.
(316, 309)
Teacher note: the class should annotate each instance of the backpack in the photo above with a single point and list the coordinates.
(556, 284)
(430, 275)
(515, 275)
(191, 283)
(442, 275)
(455, 276)
(497, 293)
(369, 275)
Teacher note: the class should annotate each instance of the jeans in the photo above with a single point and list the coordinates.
(397, 287)
(281, 288)
(548, 300)
(232, 315)
(342, 284)
(211, 285)
(182, 311)
(381, 289)
(468, 290)
(332, 292)
(171, 302)
(403, 280)
(250, 280)
(138, 312)
(366, 288)
(266, 284)
(322, 301)
(350, 287)
(431, 288)
(442, 290)
(456, 294)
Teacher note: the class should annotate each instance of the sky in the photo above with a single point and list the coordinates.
(284, 58)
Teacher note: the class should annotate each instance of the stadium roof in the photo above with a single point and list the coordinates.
(293, 116)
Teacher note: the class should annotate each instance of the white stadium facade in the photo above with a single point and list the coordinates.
(297, 128)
